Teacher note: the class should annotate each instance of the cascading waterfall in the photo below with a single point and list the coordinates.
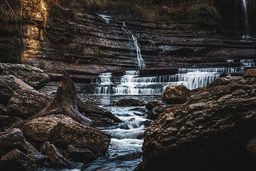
(131, 83)
(140, 60)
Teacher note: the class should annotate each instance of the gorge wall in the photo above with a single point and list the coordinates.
(57, 35)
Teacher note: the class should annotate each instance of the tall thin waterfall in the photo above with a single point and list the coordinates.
(140, 60)
(246, 20)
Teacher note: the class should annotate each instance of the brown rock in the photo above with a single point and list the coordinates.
(250, 73)
(176, 94)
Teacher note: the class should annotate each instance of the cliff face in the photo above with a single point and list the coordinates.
(56, 36)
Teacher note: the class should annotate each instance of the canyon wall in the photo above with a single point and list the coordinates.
(64, 35)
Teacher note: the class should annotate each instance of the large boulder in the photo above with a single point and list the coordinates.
(20, 99)
(210, 131)
(33, 76)
(26, 103)
(62, 131)
(176, 94)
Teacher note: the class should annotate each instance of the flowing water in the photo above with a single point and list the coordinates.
(246, 21)
(140, 61)
(131, 83)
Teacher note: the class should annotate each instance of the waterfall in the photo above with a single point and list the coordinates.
(132, 83)
(106, 18)
(140, 60)
(247, 33)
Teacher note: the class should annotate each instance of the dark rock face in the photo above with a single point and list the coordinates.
(67, 36)
(210, 131)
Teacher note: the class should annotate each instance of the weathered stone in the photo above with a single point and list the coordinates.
(17, 160)
(61, 130)
(7, 85)
(86, 40)
(26, 103)
(250, 73)
(210, 131)
(176, 94)
(40, 129)
(68, 131)
(55, 158)
(33, 76)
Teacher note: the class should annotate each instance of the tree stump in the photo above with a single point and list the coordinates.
(65, 102)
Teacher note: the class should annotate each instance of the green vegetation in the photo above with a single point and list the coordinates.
(150, 10)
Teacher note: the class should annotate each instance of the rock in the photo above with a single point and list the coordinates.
(54, 158)
(129, 102)
(40, 129)
(33, 76)
(176, 94)
(7, 121)
(99, 116)
(20, 99)
(209, 131)
(10, 140)
(156, 111)
(26, 103)
(17, 160)
(7, 85)
(3, 110)
(61, 130)
(80, 154)
(150, 105)
(250, 73)
(251, 147)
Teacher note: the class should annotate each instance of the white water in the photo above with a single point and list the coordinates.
(126, 142)
(131, 83)
(106, 18)
(140, 61)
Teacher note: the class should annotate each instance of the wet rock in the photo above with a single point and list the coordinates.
(156, 111)
(152, 104)
(80, 154)
(129, 102)
(99, 116)
(176, 94)
(250, 73)
(33, 76)
(210, 131)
